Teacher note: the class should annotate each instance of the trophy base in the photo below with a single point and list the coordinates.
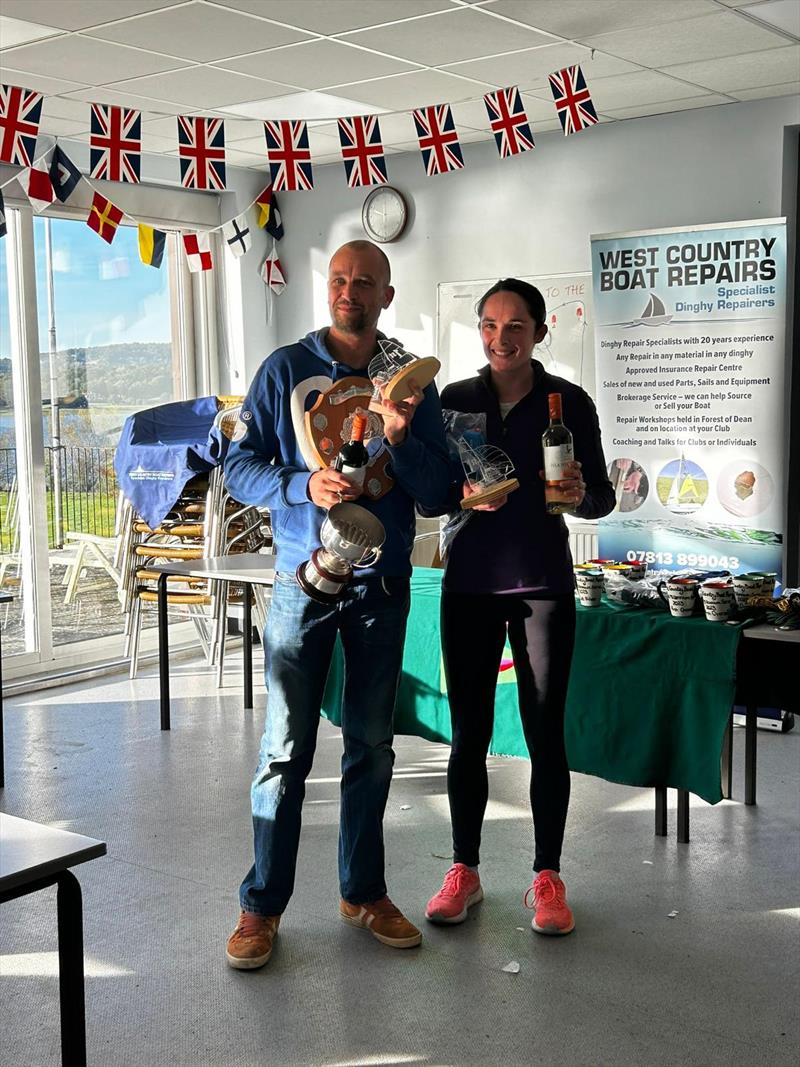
(488, 496)
(322, 595)
(423, 371)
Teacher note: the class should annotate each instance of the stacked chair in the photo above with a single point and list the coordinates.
(204, 521)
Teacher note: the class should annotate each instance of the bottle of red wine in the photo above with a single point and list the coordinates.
(557, 445)
(352, 457)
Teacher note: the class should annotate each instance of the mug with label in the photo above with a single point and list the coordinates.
(718, 600)
(680, 596)
(746, 586)
(589, 584)
(767, 579)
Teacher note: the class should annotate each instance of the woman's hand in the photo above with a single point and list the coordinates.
(572, 487)
(328, 487)
(397, 416)
(468, 490)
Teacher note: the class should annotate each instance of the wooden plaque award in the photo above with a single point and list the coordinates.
(329, 423)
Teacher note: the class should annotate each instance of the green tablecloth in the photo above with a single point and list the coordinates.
(649, 695)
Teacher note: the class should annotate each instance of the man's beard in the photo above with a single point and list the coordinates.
(350, 324)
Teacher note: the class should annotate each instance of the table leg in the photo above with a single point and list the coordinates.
(70, 971)
(163, 651)
(726, 760)
(247, 649)
(750, 743)
(2, 739)
(661, 811)
(683, 817)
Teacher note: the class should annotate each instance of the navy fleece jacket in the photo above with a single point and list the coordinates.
(520, 548)
(271, 464)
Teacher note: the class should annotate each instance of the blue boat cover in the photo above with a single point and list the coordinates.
(162, 448)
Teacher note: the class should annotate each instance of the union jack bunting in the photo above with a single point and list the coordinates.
(289, 155)
(197, 247)
(438, 139)
(362, 151)
(115, 142)
(20, 111)
(201, 147)
(104, 218)
(573, 102)
(512, 132)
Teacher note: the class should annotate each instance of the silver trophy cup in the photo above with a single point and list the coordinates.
(351, 538)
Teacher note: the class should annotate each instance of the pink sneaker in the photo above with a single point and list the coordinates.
(552, 914)
(460, 890)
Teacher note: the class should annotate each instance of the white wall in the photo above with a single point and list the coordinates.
(533, 214)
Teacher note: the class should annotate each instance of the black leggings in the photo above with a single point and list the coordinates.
(542, 636)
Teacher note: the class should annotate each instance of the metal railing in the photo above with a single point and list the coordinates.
(88, 493)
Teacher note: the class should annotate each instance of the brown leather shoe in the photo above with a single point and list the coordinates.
(383, 920)
(250, 944)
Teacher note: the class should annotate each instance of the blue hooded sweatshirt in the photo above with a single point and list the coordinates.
(270, 464)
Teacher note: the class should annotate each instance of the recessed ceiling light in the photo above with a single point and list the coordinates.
(310, 105)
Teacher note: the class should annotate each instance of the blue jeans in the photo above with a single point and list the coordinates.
(298, 643)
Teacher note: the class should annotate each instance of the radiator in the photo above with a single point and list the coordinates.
(583, 543)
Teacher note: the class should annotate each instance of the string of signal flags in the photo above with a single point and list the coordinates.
(116, 147)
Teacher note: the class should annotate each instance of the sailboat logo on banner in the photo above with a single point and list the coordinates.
(655, 314)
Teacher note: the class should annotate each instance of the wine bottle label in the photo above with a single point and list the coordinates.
(355, 475)
(555, 459)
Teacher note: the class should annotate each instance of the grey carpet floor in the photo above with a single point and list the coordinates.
(683, 954)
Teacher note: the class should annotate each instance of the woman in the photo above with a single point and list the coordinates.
(509, 570)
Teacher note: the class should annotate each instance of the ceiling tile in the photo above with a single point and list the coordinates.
(645, 87)
(235, 158)
(251, 145)
(417, 89)
(163, 127)
(63, 127)
(59, 107)
(397, 128)
(723, 34)
(530, 67)
(576, 18)
(201, 87)
(785, 89)
(104, 95)
(151, 142)
(15, 31)
(742, 72)
(77, 14)
(784, 14)
(239, 129)
(461, 33)
(38, 82)
(77, 57)
(199, 32)
(321, 16)
(736, 3)
(642, 110)
(316, 64)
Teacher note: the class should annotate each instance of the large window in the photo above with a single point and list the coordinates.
(109, 342)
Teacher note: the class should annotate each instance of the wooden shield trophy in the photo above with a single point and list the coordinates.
(329, 423)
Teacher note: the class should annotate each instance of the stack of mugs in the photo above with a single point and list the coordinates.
(591, 577)
(719, 596)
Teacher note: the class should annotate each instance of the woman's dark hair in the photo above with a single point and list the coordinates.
(533, 299)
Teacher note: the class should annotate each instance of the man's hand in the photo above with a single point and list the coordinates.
(573, 487)
(328, 487)
(397, 416)
(468, 490)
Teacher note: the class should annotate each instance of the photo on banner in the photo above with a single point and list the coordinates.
(690, 364)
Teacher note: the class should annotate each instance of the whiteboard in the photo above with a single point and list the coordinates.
(568, 349)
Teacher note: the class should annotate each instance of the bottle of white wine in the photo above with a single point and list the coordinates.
(352, 457)
(557, 445)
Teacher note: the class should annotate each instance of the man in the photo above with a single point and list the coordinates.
(269, 465)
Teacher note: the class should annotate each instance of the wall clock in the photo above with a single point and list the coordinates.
(384, 214)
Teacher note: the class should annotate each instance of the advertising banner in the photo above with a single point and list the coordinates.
(690, 361)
